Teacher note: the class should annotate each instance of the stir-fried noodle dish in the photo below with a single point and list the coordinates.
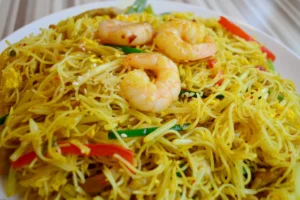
(129, 104)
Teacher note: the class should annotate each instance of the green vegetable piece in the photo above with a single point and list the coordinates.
(137, 6)
(126, 49)
(280, 97)
(149, 10)
(12, 53)
(3, 119)
(220, 96)
(269, 91)
(191, 94)
(142, 132)
(271, 65)
(184, 170)
(244, 171)
(194, 94)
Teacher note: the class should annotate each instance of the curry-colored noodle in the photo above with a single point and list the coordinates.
(63, 85)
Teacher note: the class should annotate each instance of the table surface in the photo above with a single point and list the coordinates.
(278, 18)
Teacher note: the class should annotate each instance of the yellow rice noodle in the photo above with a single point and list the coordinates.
(64, 85)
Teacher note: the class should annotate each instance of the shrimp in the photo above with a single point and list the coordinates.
(140, 92)
(124, 33)
(184, 40)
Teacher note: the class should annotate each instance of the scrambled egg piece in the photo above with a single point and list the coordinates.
(11, 78)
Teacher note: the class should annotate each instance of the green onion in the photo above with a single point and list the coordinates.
(220, 96)
(280, 97)
(269, 91)
(178, 174)
(191, 94)
(142, 132)
(194, 94)
(149, 10)
(12, 53)
(126, 49)
(3, 119)
(244, 171)
(137, 6)
(271, 65)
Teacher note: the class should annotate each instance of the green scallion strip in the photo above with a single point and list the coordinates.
(271, 65)
(149, 10)
(194, 94)
(280, 97)
(183, 170)
(137, 6)
(126, 49)
(3, 119)
(191, 94)
(220, 96)
(12, 53)
(142, 132)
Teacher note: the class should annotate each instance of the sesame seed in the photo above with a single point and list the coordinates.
(85, 91)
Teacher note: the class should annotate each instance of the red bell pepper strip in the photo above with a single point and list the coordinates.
(24, 160)
(211, 63)
(220, 82)
(235, 30)
(96, 150)
(270, 55)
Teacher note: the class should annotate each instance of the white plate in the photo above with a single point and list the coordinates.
(287, 63)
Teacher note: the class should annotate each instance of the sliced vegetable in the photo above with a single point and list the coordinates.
(137, 6)
(244, 171)
(12, 53)
(11, 183)
(24, 160)
(235, 30)
(194, 94)
(220, 96)
(211, 63)
(270, 55)
(126, 49)
(3, 119)
(142, 132)
(183, 170)
(149, 10)
(68, 148)
(271, 65)
(280, 97)
(189, 93)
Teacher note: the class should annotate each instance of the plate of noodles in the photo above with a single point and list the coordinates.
(158, 101)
